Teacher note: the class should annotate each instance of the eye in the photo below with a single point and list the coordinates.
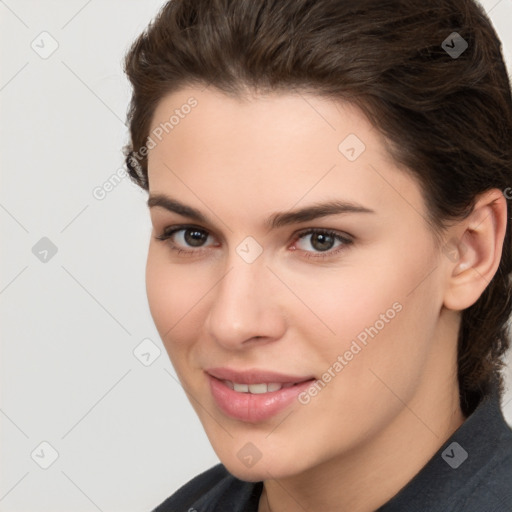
(318, 241)
(314, 243)
(185, 238)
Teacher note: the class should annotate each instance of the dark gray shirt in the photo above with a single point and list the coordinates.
(471, 472)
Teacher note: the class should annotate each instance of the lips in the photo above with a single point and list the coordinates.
(254, 376)
(254, 395)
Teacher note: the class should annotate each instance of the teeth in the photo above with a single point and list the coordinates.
(256, 389)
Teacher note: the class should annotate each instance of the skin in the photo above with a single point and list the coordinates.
(238, 161)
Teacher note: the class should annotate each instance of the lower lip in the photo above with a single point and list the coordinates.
(253, 408)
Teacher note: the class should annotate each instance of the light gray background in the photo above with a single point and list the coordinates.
(125, 434)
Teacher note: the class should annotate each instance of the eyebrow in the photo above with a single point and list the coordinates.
(276, 220)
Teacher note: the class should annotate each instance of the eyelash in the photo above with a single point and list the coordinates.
(345, 239)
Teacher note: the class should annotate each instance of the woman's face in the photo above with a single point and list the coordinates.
(257, 276)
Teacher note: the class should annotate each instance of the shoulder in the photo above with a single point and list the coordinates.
(215, 487)
(471, 472)
(491, 488)
(483, 481)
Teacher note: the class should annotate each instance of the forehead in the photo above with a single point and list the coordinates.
(281, 148)
(279, 120)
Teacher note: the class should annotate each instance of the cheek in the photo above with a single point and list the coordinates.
(174, 298)
(342, 302)
(386, 303)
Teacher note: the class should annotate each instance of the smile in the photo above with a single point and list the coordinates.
(255, 395)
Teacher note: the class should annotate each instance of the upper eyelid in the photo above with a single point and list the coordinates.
(183, 227)
(301, 231)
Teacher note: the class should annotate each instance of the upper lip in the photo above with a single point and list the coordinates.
(255, 376)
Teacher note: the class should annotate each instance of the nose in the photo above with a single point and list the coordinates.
(245, 306)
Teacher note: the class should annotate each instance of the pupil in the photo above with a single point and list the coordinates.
(194, 238)
(322, 242)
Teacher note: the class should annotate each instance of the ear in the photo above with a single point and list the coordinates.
(473, 252)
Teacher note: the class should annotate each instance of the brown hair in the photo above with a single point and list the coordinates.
(447, 117)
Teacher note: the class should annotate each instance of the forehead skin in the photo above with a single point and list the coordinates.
(274, 151)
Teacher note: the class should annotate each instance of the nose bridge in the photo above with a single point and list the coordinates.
(241, 284)
(242, 307)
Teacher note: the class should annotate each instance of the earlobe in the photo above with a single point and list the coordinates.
(477, 250)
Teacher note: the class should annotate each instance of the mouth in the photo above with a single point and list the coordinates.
(259, 388)
(254, 396)
(256, 377)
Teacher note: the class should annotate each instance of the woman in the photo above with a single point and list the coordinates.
(330, 259)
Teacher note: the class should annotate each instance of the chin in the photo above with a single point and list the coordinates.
(264, 469)
(248, 475)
